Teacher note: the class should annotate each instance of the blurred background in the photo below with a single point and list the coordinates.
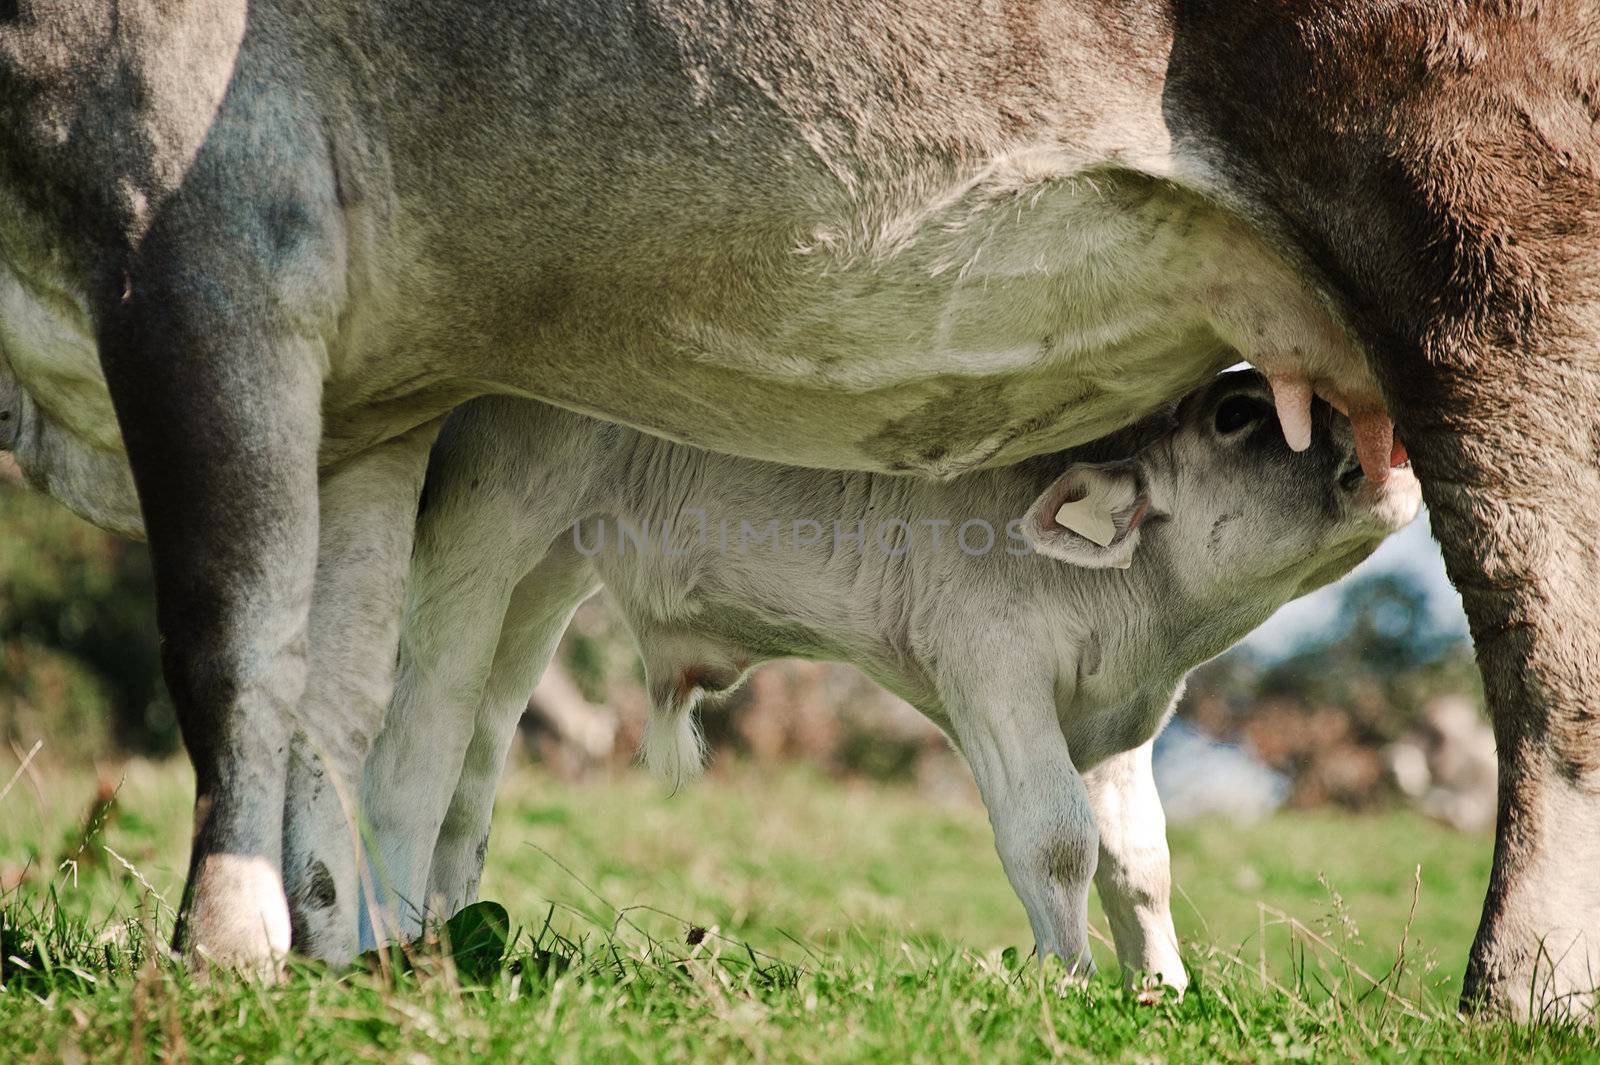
(1361, 697)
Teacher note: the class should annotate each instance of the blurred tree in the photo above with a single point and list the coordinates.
(1324, 712)
(79, 654)
(1385, 655)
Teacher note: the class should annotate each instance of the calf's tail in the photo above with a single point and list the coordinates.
(673, 748)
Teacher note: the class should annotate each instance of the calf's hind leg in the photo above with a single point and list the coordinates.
(467, 556)
(541, 608)
(478, 534)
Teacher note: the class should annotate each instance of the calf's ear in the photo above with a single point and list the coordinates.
(1090, 515)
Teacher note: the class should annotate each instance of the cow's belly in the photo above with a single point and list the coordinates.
(1016, 314)
(984, 406)
(48, 345)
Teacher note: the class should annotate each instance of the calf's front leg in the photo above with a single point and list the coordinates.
(1039, 807)
(1134, 874)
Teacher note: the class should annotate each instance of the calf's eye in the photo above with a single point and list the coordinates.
(1240, 412)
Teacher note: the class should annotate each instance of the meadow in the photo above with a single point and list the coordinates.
(753, 916)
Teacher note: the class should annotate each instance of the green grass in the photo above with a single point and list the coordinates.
(844, 923)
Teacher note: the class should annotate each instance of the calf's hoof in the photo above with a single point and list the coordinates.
(1165, 985)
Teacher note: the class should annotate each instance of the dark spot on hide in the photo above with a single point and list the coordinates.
(289, 225)
(8, 10)
(482, 852)
(1089, 657)
(317, 893)
(319, 890)
(1066, 861)
(957, 421)
(1214, 541)
(1576, 744)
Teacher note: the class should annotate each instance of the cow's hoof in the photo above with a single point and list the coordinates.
(238, 917)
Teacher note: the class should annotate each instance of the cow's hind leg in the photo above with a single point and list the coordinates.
(1511, 489)
(368, 518)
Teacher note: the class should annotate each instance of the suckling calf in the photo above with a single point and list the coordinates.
(1044, 615)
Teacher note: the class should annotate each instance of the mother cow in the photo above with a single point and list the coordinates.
(279, 239)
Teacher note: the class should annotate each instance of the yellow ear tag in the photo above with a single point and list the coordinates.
(1089, 517)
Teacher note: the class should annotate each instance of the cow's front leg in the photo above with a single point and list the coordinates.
(368, 518)
(1043, 825)
(221, 416)
(1134, 874)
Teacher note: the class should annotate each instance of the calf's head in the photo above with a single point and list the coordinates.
(1209, 498)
